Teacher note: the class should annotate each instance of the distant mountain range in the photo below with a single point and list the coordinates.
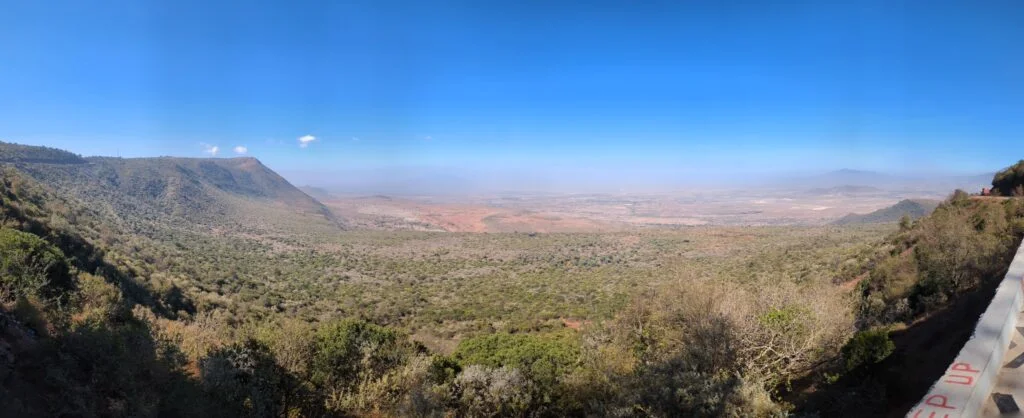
(317, 193)
(847, 181)
(844, 190)
(915, 208)
(854, 177)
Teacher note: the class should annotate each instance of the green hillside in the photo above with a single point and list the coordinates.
(17, 153)
(913, 208)
(918, 298)
(238, 194)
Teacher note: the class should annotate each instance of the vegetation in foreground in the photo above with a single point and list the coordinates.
(750, 324)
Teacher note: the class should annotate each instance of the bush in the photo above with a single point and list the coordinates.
(246, 376)
(31, 266)
(443, 369)
(487, 392)
(957, 247)
(99, 301)
(349, 351)
(867, 347)
(542, 358)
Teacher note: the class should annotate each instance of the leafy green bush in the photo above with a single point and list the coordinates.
(443, 369)
(348, 351)
(957, 247)
(867, 347)
(31, 266)
(542, 357)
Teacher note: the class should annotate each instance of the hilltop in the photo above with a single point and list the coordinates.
(202, 180)
(235, 193)
(17, 153)
(915, 208)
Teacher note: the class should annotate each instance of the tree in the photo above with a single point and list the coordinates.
(246, 375)
(348, 351)
(1009, 179)
(906, 222)
(957, 247)
(542, 358)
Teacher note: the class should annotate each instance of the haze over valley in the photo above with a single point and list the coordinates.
(808, 200)
(509, 209)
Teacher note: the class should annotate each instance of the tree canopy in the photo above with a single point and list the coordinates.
(1009, 180)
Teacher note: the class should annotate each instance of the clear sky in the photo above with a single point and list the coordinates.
(659, 89)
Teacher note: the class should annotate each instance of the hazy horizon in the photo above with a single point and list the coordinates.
(511, 96)
(454, 180)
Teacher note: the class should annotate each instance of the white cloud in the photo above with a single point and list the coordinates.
(427, 138)
(241, 150)
(305, 140)
(355, 138)
(210, 149)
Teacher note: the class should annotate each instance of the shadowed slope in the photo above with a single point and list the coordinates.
(917, 208)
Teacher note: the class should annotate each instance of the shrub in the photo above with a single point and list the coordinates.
(99, 301)
(867, 347)
(957, 247)
(443, 369)
(541, 357)
(247, 377)
(31, 266)
(348, 351)
(905, 222)
(488, 392)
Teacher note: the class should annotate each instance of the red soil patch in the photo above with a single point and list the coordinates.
(574, 324)
(852, 284)
(455, 217)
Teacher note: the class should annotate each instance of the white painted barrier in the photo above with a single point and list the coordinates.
(965, 387)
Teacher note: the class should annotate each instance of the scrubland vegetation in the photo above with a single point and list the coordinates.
(106, 314)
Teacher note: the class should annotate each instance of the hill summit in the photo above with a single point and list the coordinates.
(174, 181)
(213, 192)
(17, 153)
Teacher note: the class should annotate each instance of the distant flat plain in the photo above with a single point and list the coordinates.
(532, 212)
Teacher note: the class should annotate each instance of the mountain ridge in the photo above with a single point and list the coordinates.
(206, 192)
(915, 208)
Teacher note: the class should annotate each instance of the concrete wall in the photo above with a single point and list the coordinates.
(968, 382)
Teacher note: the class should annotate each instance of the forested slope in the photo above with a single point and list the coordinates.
(17, 153)
(240, 193)
(918, 299)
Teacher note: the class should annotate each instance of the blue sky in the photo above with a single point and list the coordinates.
(546, 88)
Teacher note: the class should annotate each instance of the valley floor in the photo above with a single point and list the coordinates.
(442, 287)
